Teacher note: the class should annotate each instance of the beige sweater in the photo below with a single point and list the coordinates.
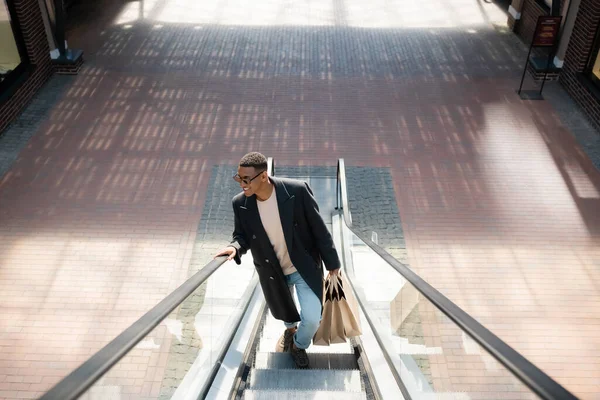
(269, 215)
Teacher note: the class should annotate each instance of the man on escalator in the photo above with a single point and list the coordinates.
(278, 220)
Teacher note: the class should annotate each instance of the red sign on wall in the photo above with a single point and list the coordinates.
(546, 31)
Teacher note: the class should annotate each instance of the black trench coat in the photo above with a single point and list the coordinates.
(308, 241)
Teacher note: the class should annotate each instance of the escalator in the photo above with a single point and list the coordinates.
(336, 372)
(214, 338)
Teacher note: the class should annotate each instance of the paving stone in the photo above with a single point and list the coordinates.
(572, 116)
(14, 138)
(109, 179)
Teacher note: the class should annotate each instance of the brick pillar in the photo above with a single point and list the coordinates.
(30, 23)
(582, 35)
(578, 52)
(514, 13)
(32, 26)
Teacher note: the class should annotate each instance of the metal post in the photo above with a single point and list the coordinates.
(59, 27)
(525, 69)
(337, 188)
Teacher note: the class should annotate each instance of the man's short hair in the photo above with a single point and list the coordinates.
(254, 159)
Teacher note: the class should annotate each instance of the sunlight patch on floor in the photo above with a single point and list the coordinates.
(351, 13)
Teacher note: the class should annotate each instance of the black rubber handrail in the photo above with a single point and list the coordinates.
(535, 379)
(87, 374)
(80, 380)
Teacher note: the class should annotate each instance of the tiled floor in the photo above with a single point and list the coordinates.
(99, 212)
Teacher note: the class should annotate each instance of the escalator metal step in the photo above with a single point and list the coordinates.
(301, 395)
(317, 361)
(305, 379)
(273, 329)
(268, 344)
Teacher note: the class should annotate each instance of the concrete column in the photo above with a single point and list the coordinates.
(47, 27)
(567, 30)
(514, 11)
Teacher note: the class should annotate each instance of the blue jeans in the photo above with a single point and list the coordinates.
(310, 311)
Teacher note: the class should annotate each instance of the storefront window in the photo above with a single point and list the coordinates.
(596, 68)
(10, 58)
(594, 61)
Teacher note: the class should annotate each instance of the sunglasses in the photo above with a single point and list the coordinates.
(245, 181)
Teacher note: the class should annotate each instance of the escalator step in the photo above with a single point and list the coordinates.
(305, 379)
(317, 361)
(301, 395)
(273, 324)
(268, 344)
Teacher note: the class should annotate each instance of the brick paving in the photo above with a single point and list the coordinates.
(573, 117)
(105, 176)
(16, 138)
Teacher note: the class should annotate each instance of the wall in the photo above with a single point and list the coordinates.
(576, 58)
(32, 27)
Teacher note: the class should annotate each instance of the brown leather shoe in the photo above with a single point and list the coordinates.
(285, 341)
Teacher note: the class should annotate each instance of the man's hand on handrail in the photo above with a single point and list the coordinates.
(228, 251)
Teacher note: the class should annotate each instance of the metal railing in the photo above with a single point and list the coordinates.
(81, 379)
(87, 374)
(531, 376)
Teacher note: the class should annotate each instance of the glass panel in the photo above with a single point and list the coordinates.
(9, 53)
(433, 357)
(176, 358)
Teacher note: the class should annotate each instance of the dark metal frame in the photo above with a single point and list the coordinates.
(531, 376)
(15, 78)
(534, 94)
